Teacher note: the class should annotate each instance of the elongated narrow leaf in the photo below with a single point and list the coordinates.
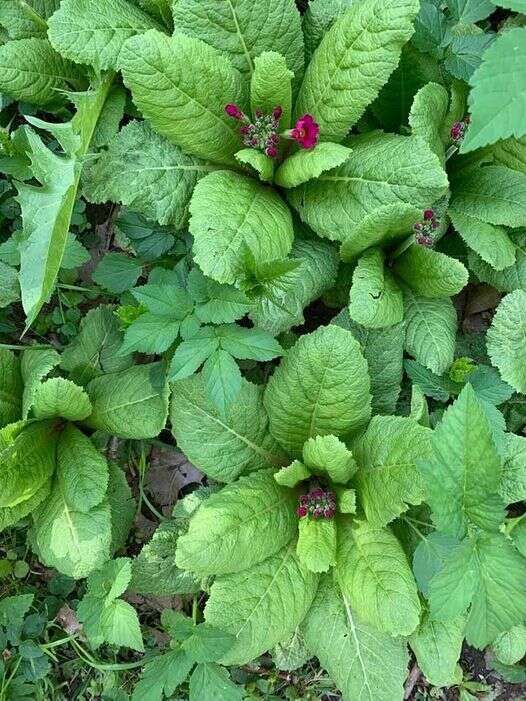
(10, 388)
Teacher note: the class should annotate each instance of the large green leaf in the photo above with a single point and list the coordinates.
(10, 515)
(427, 116)
(364, 663)
(188, 107)
(223, 447)
(382, 170)
(506, 339)
(376, 299)
(60, 397)
(10, 388)
(306, 164)
(508, 279)
(271, 86)
(96, 34)
(430, 273)
(243, 30)
(373, 573)
(238, 527)
(387, 478)
(147, 173)
(231, 213)
(490, 242)
(35, 365)
(26, 18)
(261, 606)
(462, 475)
(513, 487)
(353, 61)
(318, 19)
(437, 646)
(320, 387)
(130, 404)
(498, 96)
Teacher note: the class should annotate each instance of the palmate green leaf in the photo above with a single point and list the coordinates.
(28, 460)
(10, 388)
(430, 29)
(382, 170)
(465, 52)
(316, 546)
(95, 35)
(147, 173)
(26, 18)
(320, 387)
(437, 646)
(430, 330)
(495, 194)
(130, 404)
(387, 477)
(492, 585)
(223, 447)
(271, 86)
(506, 340)
(261, 606)
(210, 682)
(318, 19)
(35, 365)
(187, 107)
(59, 397)
(468, 11)
(242, 31)
(154, 569)
(376, 299)
(248, 344)
(374, 575)
(74, 542)
(430, 273)
(31, 70)
(353, 62)
(428, 112)
(162, 675)
(229, 213)
(363, 662)
(463, 474)
(150, 334)
(498, 95)
(238, 527)
(216, 303)
(383, 350)
(93, 351)
(490, 242)
(306, 165)
(82, 472)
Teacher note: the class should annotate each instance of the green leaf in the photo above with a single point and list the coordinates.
(107, 128)
(11, 388)
(353, 62)
(222, 379)
(382, 170)
(154, 569)
(230, 212)
(130, 404)
(26, 18)
(316, 547)
(248, 344)
(376, 299)
(207, 644)
(492, 583)
(318, 19)
(363, 662)
(463, 474)
(467, 11)
(329, 456)
(188, 107)
(117, 273)
(488, 385)
(31, 70)
(430, 331)
(93, 351)
(513, 486)
(373, 573)
(320, 387)
(428, 113)
(497, 99)
(430, 273)
(164, 299)
(271, 86)
(465, 53)
(430, 29)
(510, 647)
(162, 674)
(242, 31)
(222, 447)
(490, 242)
(506, 340)
(9, 285)
(10, 515)
(59, 397)
(150, 334)
(96, 36)
(122, 507)
(147, 173)
(239, 526)
(28, 460)
(495, 194)
(191, 354)
(261, 606)
(74, 542)
(306, 165)
(210, 682)
(216, 303)
(387, 477)
(509, 279)
(437, 646)
(82, 472)
(429, 557)
(257, 162)
(292, 474)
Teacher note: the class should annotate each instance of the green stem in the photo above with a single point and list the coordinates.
(91, 662)
(36, 346)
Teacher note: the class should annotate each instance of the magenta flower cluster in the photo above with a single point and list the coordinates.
(458, 130)
(263, 132)
(317, 503)
(425, 229)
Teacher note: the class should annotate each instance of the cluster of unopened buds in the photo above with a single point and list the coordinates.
(458, 130)
(317, 503)
(425, 229)
(263, 132)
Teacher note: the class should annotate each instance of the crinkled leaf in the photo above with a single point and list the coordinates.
(437, 646)
(328, 455)
(508, 279)
(59, 397)
(376, 299)
(428, 112)
(506, 340)
(271, 86)
(306, 164)
(318, 19)
(35, 365)
(490, 242)
(257, 162)
(510, 647)
(513, 486)
(316, 546)
(11, 388)
(430, 273)
(27, 18)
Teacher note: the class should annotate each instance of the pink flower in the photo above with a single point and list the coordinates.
(271, 151)
(277, 112)
(234, 111)
(429, 214)
(306, 132)
(302, 511)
